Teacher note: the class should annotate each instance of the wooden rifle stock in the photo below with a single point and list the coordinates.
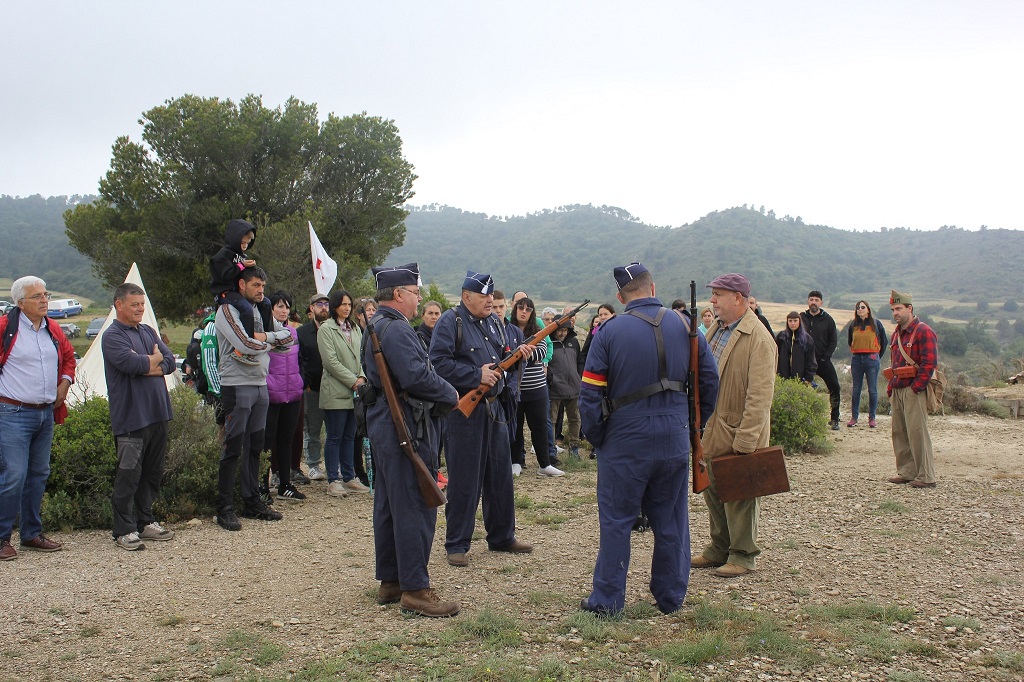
(468, 402)
(432, 494)
(701, 479)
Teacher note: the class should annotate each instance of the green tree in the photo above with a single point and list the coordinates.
(1010, 306)
(202, 161)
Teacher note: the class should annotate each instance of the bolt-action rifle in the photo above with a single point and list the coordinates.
(701, 479)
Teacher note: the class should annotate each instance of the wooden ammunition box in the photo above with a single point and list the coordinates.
(741, 477)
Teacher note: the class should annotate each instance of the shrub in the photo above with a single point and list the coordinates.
(82, 464)
(189, 488)
(799, 417)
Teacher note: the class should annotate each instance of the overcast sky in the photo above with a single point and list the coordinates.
(855, 115)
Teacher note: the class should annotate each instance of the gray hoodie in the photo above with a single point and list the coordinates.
(232, 337)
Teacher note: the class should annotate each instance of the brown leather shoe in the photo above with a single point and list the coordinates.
(921, 484)
(730, 571)
(899, 480)
(7, 551)
(458, 559)
(515, 547)
(425, 602)
(41, 543)
(700, 562)
(389, 592)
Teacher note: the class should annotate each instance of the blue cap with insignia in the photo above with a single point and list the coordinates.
(399, 276)
(478, 282)
(624, 274)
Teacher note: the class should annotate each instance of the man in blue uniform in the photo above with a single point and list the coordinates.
(403, 525)
(633, 405)
(467, 340)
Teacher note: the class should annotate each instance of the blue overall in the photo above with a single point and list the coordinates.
(643, 450)
(476, 448)
(403, 525)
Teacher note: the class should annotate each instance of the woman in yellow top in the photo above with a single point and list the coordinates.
(867, 338)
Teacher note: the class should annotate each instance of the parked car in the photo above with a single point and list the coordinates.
(63, 307)
(94, 327)
(71, 329)
(5, 306)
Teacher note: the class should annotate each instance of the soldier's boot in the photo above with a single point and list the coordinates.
(389, 592)
(425, 602)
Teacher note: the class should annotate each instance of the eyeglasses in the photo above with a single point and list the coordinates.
(322, 304)
(522, 306)
(39, 297)
(862, 307)
(417, 294)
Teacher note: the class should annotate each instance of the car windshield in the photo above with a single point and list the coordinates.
(97, 323)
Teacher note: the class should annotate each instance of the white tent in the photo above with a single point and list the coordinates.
(89, 377)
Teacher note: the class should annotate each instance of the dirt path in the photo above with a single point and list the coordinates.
(277, 597)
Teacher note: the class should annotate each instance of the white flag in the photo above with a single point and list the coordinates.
(325, 270)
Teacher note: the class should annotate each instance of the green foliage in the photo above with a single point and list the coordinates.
(1010, 306)
(799, 417)
(83, 460)
(189, 487)
(202, 161)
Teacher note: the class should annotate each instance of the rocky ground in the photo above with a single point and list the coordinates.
(295, 598)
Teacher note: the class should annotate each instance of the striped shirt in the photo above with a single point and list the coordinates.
(720, 339)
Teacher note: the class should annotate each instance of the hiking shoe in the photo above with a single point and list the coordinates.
(290, 494)
(389, 592)
(515, 547)
(249, 360)
(834, 425)
(317, 474)
(337, 489)
(872, 423)
(275, 481)
(426, 603)
(227, 520)
(299, 477)
(7, 551)
(551, 471)
(262, 512)
(356, 486)
(516, 470)
(154, 531)
(851, 423)
(130, 542)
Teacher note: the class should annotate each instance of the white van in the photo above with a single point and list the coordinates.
(63, 307)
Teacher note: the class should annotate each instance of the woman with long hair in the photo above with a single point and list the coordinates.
(284, 384)
(707, 317)
(339, 341)
(605, 312)
(867, 338)
(796, 351)
(533, 401)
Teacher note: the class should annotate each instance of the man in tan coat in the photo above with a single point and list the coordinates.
(747, 355)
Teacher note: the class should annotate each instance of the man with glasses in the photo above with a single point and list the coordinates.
(312, 367)
(37, 367)
(822, 329)
(467, 340)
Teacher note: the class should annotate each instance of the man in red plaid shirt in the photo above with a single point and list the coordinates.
(908, 383)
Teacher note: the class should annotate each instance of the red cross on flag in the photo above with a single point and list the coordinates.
(325, 270)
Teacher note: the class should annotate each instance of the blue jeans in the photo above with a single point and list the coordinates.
(25, 438)
(341, 434)
(861, 365)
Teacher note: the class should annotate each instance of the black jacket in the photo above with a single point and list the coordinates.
(796, 360)
(310, 363)
(225, 264)
(822, 329)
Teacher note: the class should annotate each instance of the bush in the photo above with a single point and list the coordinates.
(799, 417)
(84, 459)
(82, 464)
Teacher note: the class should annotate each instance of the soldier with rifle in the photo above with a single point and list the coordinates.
(468, 342)
(405, 401)
(633, 404)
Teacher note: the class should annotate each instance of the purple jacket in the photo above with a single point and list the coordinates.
(284, 382)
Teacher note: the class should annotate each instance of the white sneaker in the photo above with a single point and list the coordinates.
(559, 449)
(516, 470)
(131, 542)
(155, 531)
(337, 489)
(550, 471)
(317, 474)
(355, 485)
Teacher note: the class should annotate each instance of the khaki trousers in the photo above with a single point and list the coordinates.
(733, 527)
(910, 439)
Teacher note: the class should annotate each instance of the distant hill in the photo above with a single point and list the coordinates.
(33, 242)
(569, 253)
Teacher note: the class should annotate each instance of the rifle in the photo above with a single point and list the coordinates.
(701, 479)
(432, 494)
(469, 401)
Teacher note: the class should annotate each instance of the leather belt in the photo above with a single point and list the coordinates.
(17, 403)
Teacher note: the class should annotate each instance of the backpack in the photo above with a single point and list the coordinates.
(192, 367)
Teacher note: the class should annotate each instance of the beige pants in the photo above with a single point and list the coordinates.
(733, 528)
(910, 439)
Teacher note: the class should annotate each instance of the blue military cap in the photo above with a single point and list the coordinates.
(478, 282)
(624, 274)
(399, 276)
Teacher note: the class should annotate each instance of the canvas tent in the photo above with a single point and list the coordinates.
(89, 377)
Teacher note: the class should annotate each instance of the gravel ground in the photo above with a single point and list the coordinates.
(276, 598)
